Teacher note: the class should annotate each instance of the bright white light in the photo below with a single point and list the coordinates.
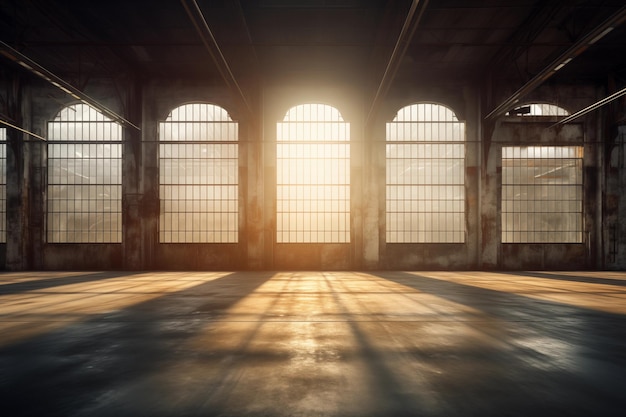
(313, 176)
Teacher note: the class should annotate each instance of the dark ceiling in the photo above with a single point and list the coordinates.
(272, 40)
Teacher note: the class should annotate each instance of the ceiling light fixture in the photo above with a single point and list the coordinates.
(601, 35)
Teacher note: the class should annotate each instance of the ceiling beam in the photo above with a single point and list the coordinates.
(572, 52)
(93, 32)
(411, 22)
(36, 69)
(246, 28)
(524, 36)
(211, 45)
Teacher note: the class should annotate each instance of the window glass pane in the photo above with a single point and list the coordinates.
(542, 194)
(425, 176)
(313, 176)
(199, 176)
(84, 177)
(538, 109)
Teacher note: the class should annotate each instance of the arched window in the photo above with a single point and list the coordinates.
(198, 161)
(3, 185)
(538, 109)
(313, 176)
(425, 176)
(84, 177)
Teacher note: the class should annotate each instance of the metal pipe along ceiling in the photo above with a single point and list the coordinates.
(204, 31)
(592, 107)
(59, 83)
(406, 34)
(572, 52)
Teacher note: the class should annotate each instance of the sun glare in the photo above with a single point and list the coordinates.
(313, 176)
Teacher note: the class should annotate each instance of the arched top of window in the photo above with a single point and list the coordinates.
(199, 112)
(425, 112)
(313, 122)
(80, 113)
(313, 112)
(81, 122)
(538, 109)
(198, 122)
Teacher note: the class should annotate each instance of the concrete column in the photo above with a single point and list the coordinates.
(253, 178)
(373, 193)
(17, 203)
(149, 185)
(473, 170)
(131, 173)
(18, 253)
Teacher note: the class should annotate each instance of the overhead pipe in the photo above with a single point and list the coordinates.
(36, 69)
(591, 108)
(565, 58)
(204, 31)
(406, 34)
(28, 132)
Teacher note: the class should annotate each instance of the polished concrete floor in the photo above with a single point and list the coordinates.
(313, 344)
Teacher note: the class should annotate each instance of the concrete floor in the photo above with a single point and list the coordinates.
(313, 344)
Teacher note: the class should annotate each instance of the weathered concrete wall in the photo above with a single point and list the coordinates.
(462, 100)
(46, 103)
(514, 131)
(15, 252)
(555, 256)
(93, 256)
(147, 102)
(159, 99)
(199, 256)
(614, 225)
(278, 99)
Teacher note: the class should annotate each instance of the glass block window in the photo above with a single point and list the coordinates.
(539, 109)
(313, 176)
(425, 177)
(3, 185)
(542, 194)
(84, 177)
(199, 175)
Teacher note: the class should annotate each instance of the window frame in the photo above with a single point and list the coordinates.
(90, 205)
(508, 212)
(307, 197)
(225, 211)
(418, 130)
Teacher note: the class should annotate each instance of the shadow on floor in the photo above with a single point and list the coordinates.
(512, 355)
(556, 357)
(582, 325)
(41, 284)
(506, 305)
(574, 278)
(66, 371)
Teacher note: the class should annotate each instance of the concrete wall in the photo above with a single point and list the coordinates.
(513, 131)
(147, 101)
(614, 224)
